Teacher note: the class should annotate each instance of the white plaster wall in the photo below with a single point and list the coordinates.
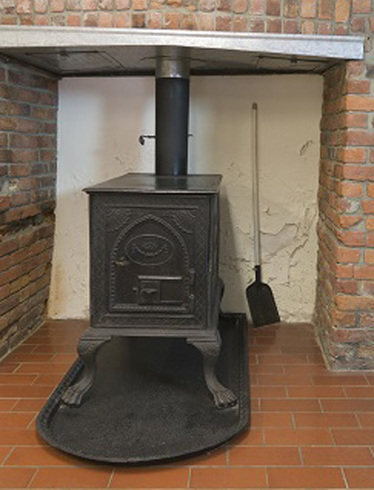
(99, 124)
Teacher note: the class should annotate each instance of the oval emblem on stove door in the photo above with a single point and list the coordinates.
(149, 249)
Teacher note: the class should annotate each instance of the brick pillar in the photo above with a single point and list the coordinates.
(345, 289)
(28, 108)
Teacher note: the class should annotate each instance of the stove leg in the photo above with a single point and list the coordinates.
(223, 397)
(87, 351)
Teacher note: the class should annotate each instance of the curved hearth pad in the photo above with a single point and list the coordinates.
(149, 402)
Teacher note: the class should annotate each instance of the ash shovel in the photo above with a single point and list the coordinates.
(260, 297)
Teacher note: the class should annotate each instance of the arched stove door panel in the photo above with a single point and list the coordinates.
(150, 269)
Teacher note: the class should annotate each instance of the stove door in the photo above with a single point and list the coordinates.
(150, 268)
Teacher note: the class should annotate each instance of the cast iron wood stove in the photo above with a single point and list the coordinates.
(154, 245)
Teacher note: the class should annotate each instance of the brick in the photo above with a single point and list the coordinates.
(109, 4)
(352, 155)
(353, 120)
(257, 7)
(291, 9)
(345, 286)
(347, 255)
(324, 28)
(370, 224)
(122, 4)
(357, 138)
(41, 20)
(361, 6)
(223, 5)
(308, 9)
(358, 24)
(138, 20)
(240, 23)
(291, 27)
(368, 206)
(57, 5)
(223, 23)
(273, 7)
(273, 25)
(363, 272)
(257, 25)
(207, 5)
(357, 172)
(342, 10)
(348, 221)
(88, 5)
(358, 86)
(73, 20)
(367, 289)
(154, 20)
(344, 271)
(349, 303)
(308, 27)
(240, 6)
(40, 6)
(352, 238)
(369, 256)
(370, 190)
(139, 5)
(359, 103)
(342, 318)
(325, 9)
(350, 189)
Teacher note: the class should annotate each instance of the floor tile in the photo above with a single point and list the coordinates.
(271, 419)
(331, 419)
(298, 437)
(347, 405)
(307, 424)
(42, 456)
(290, 405)
(337, 456)
(228, 478)
(315, 392)
(353, 437)
(4, 452)
(15, 420)
(359, 477)
(305, 478)
(15, 477)
(29, 405)
(366, 419)
(150, 478)
(71, 478)
(264, 456)
(19, 437)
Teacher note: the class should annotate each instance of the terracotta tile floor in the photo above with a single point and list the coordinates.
(310, 428)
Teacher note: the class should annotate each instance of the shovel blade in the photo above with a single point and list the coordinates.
(261, 304)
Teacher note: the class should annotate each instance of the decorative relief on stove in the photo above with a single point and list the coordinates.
(150, 268)
(184, 220)
(117, 218)
(149, 249)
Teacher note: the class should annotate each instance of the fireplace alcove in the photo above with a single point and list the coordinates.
(101, 52)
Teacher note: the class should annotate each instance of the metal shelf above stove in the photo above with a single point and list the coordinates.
(66, 51)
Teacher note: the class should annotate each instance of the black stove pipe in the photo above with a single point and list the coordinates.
(172, 111)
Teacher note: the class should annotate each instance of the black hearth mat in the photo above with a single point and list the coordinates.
(149, 402)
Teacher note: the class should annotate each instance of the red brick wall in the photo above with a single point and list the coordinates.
(345, 300)
(289, 16)
(28, 107)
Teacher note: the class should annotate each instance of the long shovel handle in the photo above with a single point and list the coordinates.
(255, 190)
